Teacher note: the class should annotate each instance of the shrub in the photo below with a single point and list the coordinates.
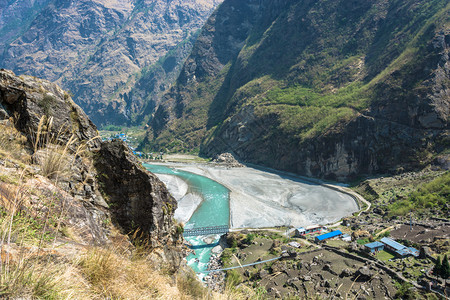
(249, 238)
(434, 194)
(46, 103)
(233, 278)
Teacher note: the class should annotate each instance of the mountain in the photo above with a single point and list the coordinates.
(15, 16)
(100, 50)
(81, 218)
(330, 89)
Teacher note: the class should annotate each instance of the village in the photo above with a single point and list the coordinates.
(337, 262)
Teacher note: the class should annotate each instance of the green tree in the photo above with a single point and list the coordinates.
(437, 267)
(445, 268)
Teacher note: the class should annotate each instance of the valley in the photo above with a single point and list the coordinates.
(224, 149)
(262, 199)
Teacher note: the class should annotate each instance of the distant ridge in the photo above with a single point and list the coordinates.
(102, 50)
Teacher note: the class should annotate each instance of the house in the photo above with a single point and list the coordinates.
(294, 244)
(328, 235)
(399, 249)
(346, 237)
(301, 231)
(374, 247)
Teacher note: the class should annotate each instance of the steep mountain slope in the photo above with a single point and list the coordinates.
(99, 49)
(323, 88)
(15, 16)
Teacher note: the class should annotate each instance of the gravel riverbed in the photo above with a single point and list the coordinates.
(263, 199)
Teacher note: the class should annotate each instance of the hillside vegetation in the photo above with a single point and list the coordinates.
(432, 195)
(330, 88)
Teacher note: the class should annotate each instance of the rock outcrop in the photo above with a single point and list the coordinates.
(137, 198)
(228, 160)
(100, 50)
(29, 99)
(93, 182)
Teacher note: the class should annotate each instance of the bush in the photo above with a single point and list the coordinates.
(385, 234)
(46, 103)
(233, 278)
(407, 291)
(250, 238)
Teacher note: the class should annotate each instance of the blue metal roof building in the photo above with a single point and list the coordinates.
(328, 235)
(398, 248)
(374, 247)
(392, 244)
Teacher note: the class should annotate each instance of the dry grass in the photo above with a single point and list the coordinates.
(53, 152)
(52, 273)
(112, 275)
(39, 278)
(34, 266)
(101, 274)
(54, 162)
(12, 143)
(50, 154)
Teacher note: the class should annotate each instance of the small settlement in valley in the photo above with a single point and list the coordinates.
(332, 262)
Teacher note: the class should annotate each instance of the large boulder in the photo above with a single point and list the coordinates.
(96, 181)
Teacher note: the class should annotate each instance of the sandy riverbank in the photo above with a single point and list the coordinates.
(179, 189)
(263, 199)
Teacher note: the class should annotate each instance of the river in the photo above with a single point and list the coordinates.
(214, 210)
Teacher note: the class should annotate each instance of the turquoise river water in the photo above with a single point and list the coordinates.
(214, 210)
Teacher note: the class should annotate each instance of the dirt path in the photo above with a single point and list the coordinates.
(351, 193)
(384, 230)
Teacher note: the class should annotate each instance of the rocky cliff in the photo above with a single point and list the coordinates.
(138, 199)
(328, 89)
(100, 50)
(94, 182)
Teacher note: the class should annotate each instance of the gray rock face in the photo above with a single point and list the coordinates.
(27, 99)
(391, 133)
(138, 199)
(87, 221)
(96, 49)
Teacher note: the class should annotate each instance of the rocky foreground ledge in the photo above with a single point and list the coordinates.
(98, 182)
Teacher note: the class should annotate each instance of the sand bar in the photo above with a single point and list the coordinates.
(187, 202)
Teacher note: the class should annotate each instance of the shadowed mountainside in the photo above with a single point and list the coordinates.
(328, 89)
